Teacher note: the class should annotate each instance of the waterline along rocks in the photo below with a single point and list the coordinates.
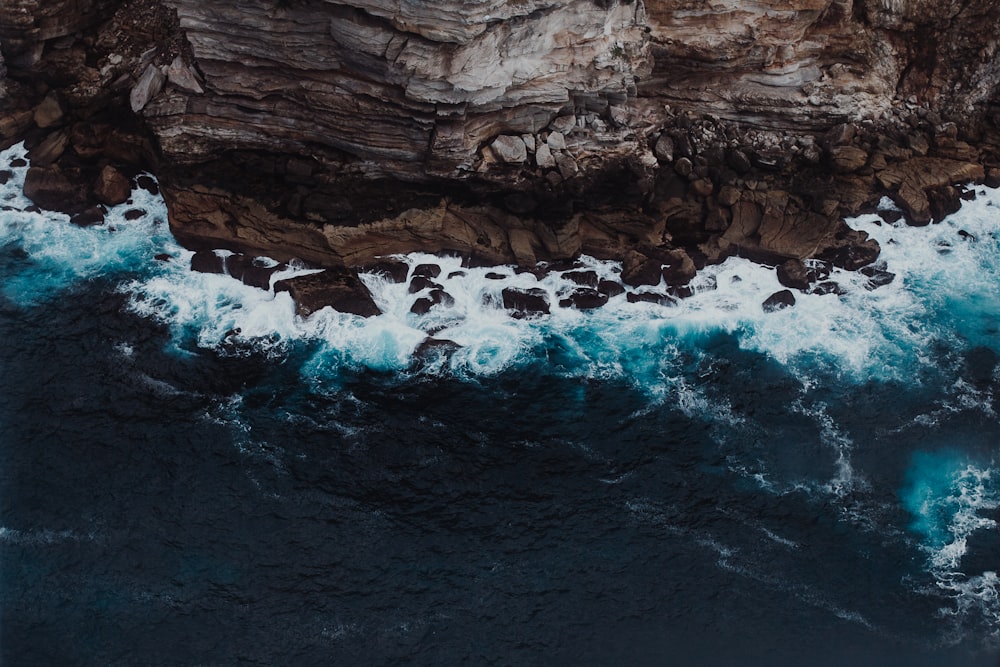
(664, 134)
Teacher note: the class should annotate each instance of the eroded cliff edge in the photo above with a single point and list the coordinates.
(662, 133)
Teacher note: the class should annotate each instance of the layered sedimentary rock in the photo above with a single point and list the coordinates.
(514, 130)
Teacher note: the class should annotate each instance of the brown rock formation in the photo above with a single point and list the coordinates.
(514, 130)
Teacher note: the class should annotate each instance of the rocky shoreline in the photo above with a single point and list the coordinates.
(592, 149)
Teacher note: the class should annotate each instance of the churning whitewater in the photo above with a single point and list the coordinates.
(704, 479)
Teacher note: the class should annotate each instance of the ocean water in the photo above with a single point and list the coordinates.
(190, 474)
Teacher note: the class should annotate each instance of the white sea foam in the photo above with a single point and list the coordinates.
(944, 281)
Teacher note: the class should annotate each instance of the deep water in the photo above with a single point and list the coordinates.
(192, 475)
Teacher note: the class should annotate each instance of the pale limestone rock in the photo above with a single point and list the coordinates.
(509, 150)
(149, 84)
(182, 76)
(544, 158)
(556, 141)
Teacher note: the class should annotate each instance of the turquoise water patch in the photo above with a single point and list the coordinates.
(946, 493)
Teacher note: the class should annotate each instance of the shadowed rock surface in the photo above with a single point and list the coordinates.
(510, 132)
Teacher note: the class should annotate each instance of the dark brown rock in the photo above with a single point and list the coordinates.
(778, 301)
(90, 216)
(793, 273)
(658, 298)
(530, 302)
(586, 278)
(584, 299)
(391, 270)
(51, 189)
(419, 283)
(610, 287)
(339, 289)
(436, 297)
(112, 187)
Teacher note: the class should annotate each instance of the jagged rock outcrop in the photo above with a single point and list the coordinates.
(514, 130)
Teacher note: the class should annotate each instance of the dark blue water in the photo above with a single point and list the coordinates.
(698, 485)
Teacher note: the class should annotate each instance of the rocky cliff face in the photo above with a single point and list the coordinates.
(513, 130)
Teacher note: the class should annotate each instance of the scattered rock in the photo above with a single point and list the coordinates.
(93, 215)
(847, 159)
(181, 75)
(563, 124)
(828, 287)
(148, 86)
(683, 166)
(5, 176)
(49, 112)
(338, 288)
(658, 298)
(586, 278)
(778, 301)
(162, 257)
(509, 149)
(50, 189)
(877, 276)
(544, 158)
(584, 299)
(493, 275)
(391, 270)
(436, 297)
(252, 271)
(526, 302)
(567, 165)
(426, 270)
(664, 149)
(49, 149)
(208, 261)
(610, 287)
(793, 273)
(148, 183)
(133, 214)
(420, 283)
(112, 187)
(739, 161)
(556, 141)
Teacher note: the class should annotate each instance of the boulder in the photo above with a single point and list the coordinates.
(664, 149)
(93, 215)
(584, 299)
(658, 298)
(112, 187)
(51, 189)
(586, 278)
(338, 288)
(610, 287)
(420, 283)
(207, 261)
(426, 270)
(847, 159)
(544, 157)
(49, 112)
(509, 149)
(778, 301)
(146, 88)
(392, 271)
(793, 273)
(436, 297)
(568, 167)
(877, 276)
(49, 149)
(252, 271)
(528, 302)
